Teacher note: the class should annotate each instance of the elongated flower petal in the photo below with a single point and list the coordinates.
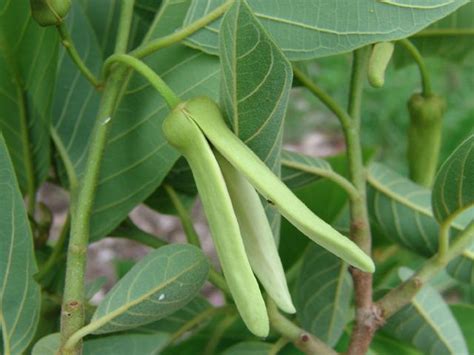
(206, 114)
(257, 236)
(186, 136)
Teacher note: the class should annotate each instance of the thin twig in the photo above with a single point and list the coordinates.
(68, 44)
(153, 46)
(416, 55)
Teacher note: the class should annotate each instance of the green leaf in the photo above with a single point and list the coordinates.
(449, 38)
(462, 268)
(28, 57)
(323, 295)
(248, 348)
(123, 344)
(20, 297)
(309, 29)
(47, 345)
(103, 16)
(382, 344)
(159, 284)
(453, 190)
(464, 314)
(299, 169)
(427, 323)
(401, 210)
(127, 344)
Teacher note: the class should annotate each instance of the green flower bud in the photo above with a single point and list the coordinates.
(424, 137)
(379, 59)
(49, 12)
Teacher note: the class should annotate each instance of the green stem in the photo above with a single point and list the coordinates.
(360, 227)
(328, 174)
(152, 46)
(170, 97)
(425, 76)
(56, 253)
(127, 229)
(63, 154)
(443, 246)
(125, 23)
(400, 296)
(184, 217)
(76, 58)
(73, 308)
(278, 345)
(331, 104)
(302, 339)
(73, 300)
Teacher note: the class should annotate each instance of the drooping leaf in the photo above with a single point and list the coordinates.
(464, 314)
(248, 348)
(158, 285)
(127, 344)
(323, 294)
(28, 57)
(427, 323)
(306, 29)
(453, 191)
(20, 297)
(299, 169)
(449, 38)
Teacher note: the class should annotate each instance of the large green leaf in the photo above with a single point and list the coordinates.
(28, 56)
(126, 344)
(453, 191)
(449, 38)
(401, 211)
(248, 348)
(306, 29)
(428, 324)
(123, 344)
(103, 16)
(323, 294)
(20, 297)
(464, 314)
(158, 285)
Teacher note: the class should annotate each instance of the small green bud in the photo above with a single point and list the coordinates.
(424, 136)
(379, 59)
(49, 12)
